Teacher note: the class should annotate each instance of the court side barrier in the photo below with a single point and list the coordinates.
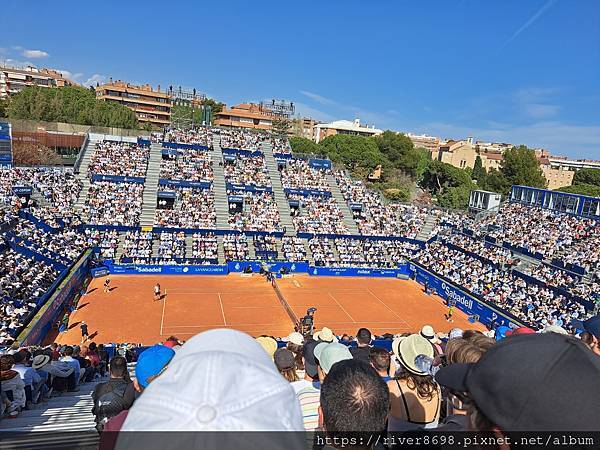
(70, 286)
(149, 269)
(98, 272)
(274, 266)
(487, 314)
(357, 272)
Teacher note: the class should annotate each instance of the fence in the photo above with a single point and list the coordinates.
(35, 126)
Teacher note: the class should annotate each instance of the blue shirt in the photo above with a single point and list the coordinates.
(27, 374)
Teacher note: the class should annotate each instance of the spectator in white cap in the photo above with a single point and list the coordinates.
(415, 397)
(295, 343)
(220, 380)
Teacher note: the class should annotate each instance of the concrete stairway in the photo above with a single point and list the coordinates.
(39, 198)
(251, 249)
(280, 199)
(82, 175)
(65, 421)
(220, 250)
(429, 224)
(151, 186)
(346, 211)
(189, 245)
(120, 248)
(219, 186)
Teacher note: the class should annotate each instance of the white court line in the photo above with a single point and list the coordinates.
(162, 317)
(222, 311)
(391, 310)
(339, 304)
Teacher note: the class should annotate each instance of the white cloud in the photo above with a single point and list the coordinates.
(70, 75)
(319, 98)
(96, 78)
(35, 54)
(303, 110)
(541, 111)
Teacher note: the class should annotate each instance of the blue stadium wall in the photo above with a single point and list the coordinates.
(65, 292)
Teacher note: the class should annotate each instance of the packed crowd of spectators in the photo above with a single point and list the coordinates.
(317, 214)
(114, 203)
(137, 244)
(247, 171)
(340, 386)
(297, 174)
(494, 253)
(107, 241)
(63, 246)
(235, 247)
(193, 208)
(293, 248)
(23, 281)
(536, 229)
(265, 246)
(58, 186)
(32, 375)
(536, 305)
(171, 245)
(200, 136)
(281, 146)
(187, 165)
(259, 212)
(119, 158)
(205, 247)
(241, 139)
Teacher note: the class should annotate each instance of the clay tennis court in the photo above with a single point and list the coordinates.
(194, 304)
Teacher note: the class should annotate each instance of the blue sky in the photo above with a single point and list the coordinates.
(520, 71)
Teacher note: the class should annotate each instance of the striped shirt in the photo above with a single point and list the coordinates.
(310, 400)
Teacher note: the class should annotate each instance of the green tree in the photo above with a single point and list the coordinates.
(479, 173)
(455, 197)
(520, 166)
(400, 194)
(281, 126)
(587, 176)
(360, 155)
(439, 176)
(394, 146)
(3, 107)
(69, 104)
(582, 189)
(303, 145)
(449, 184)
(495, 181)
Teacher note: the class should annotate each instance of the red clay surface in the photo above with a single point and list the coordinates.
(195, 304)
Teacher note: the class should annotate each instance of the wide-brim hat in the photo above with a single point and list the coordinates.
(40, 361)
(408, 348)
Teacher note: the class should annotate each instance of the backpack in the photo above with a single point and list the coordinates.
(109, 405)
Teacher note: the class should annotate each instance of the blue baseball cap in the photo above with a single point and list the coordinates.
(151, 362)
(592, 325)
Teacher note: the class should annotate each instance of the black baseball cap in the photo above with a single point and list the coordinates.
(592, 325)
(533, 382)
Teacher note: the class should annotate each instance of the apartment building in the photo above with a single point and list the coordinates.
(354, 127)
(246, 115)
(150, 105)
(13, 80)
